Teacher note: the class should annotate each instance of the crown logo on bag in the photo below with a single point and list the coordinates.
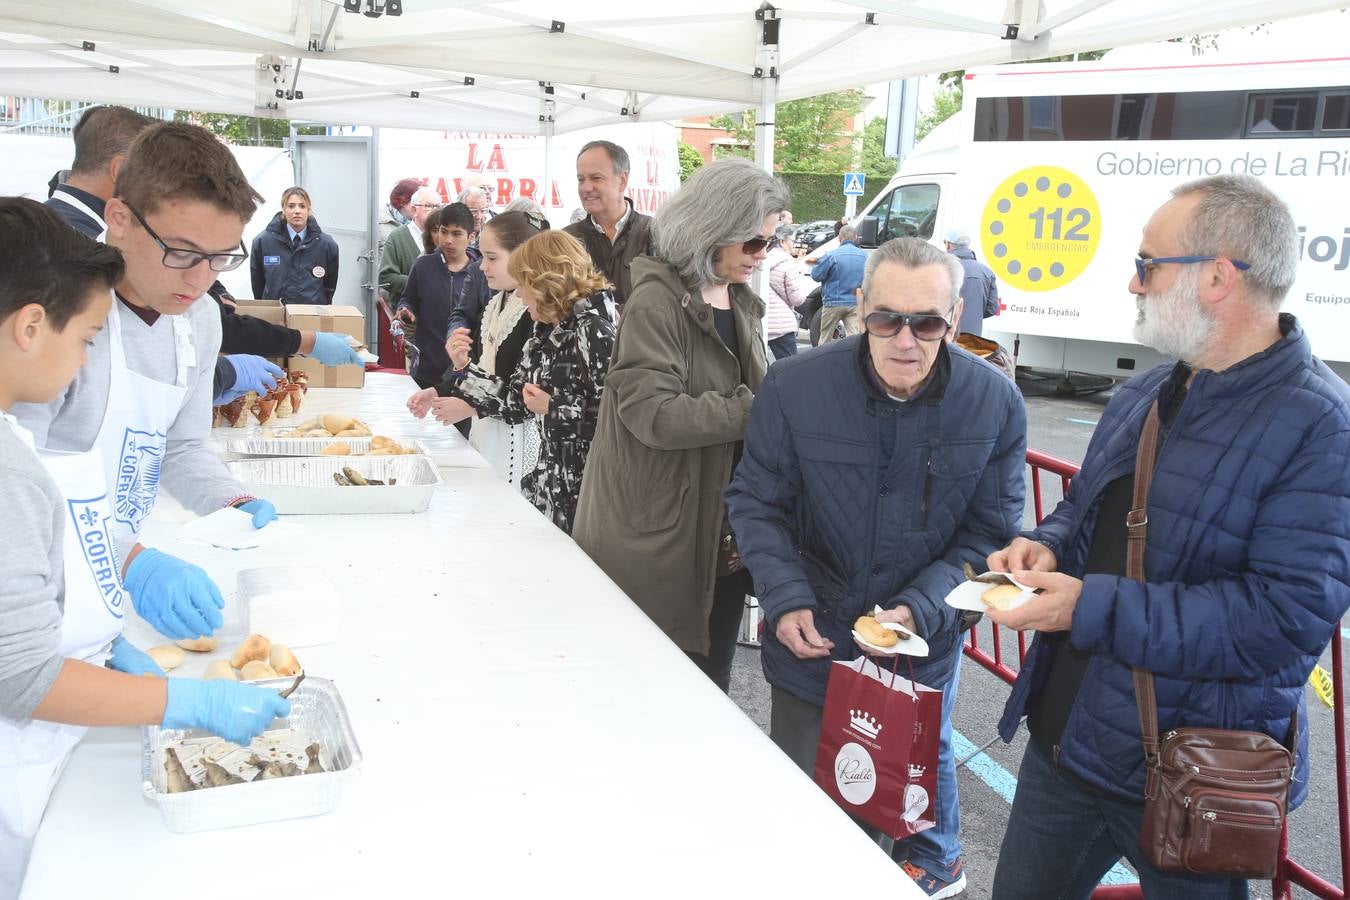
(916, 771)
(863, 722)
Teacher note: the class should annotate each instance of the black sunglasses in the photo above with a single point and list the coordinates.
(754, 245)
(180, 258)
(926, 326)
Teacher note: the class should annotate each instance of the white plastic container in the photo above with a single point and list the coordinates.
(318, 711)
(304, 485)
(293, 605)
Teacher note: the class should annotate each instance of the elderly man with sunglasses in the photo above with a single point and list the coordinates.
(874, 468)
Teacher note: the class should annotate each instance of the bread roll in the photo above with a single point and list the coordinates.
(255, 646)
(337, 448)
(256, 670)
(283, 660)
(166, 657)
(336, 424)
(1000, 596)
(379, 441)
(874, 633)
(203, 644)
(220, 670)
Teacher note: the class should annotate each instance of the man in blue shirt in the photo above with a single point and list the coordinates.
(840, 273)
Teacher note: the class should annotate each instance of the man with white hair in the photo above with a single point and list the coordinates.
(979, 291)
(405, 245)
(1245, 530)
(873, 470)
(479, 202)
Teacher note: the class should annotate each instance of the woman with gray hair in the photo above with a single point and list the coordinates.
(689, 356)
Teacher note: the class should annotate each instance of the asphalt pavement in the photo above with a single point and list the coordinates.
(1062, 426)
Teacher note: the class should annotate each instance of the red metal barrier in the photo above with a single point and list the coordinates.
(1290, 873)
(390, 347)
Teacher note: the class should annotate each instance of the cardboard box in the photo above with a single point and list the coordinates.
(273, 311)
(338, 319)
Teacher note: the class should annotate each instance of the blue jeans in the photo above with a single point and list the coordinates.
(941, 844)
(1061, 840)
(783, 346)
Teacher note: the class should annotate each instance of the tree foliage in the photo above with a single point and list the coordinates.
(240, 129)
(690, 160)
(814, 134)
(946, 103)
(875, 163)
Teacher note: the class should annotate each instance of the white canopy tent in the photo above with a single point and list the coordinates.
(530, 66)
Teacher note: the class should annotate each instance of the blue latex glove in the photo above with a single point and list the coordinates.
(333, 350)
(176, 597)
(263, 512)
(127, 657)
(251, 373)
(236, 711)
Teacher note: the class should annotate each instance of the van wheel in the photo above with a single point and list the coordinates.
(815, 329)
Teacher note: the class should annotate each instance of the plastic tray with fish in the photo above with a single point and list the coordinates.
(304, 485)
(297, 446)
(318, 715)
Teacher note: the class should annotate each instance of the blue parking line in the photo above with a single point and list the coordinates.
(1004, 783)
(1345, 633)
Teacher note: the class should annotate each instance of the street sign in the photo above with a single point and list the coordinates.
(853, 184)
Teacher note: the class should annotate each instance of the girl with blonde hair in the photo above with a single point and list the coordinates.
(557, 385)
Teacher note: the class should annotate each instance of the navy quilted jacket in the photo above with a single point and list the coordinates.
(1248, 561)
(822, 525)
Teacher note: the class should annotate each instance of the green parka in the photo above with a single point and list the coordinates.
(676, 402)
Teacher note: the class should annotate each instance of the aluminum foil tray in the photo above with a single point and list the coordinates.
(317, 714)
(304, 485)
(277, 446)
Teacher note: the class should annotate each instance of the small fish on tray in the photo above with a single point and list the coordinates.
(200, 763)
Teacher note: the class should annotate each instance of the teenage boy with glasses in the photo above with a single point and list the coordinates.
(874, 468)
(143, 398)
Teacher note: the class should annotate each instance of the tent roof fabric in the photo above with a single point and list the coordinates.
(541, 66)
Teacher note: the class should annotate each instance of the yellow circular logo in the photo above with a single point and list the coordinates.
(1040, 228)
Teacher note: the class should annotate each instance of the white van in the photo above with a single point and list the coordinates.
(1057, 166)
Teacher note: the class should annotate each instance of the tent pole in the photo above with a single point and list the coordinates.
(764, 122)
(766, 73)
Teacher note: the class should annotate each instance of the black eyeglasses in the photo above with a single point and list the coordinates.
(926, 326)
(181, 258)
(754, 245)
(1142, 265)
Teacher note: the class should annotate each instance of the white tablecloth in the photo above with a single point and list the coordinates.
(525, 728)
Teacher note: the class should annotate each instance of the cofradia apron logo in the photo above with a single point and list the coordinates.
(1040, 228)
(138, 476)
(97, 544)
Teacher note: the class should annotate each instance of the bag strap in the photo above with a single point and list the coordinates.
(1136, 535)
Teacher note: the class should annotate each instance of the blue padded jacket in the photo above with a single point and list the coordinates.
(822, 524)
(1248, 561)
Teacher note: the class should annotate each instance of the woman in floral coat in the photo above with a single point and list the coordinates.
(561, 373)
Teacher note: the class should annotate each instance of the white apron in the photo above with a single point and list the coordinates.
(83, 207)
(33, 754)
(133, 436)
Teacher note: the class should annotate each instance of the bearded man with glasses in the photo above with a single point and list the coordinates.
(874, 468)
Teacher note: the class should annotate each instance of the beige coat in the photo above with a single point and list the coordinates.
(674, 406)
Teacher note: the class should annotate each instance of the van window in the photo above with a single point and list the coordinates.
(1165, 116)
(908, 211)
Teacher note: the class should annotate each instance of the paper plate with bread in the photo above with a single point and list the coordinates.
(889, 638)
(990, 590)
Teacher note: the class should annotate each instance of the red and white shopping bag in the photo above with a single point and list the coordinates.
(879, 747)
